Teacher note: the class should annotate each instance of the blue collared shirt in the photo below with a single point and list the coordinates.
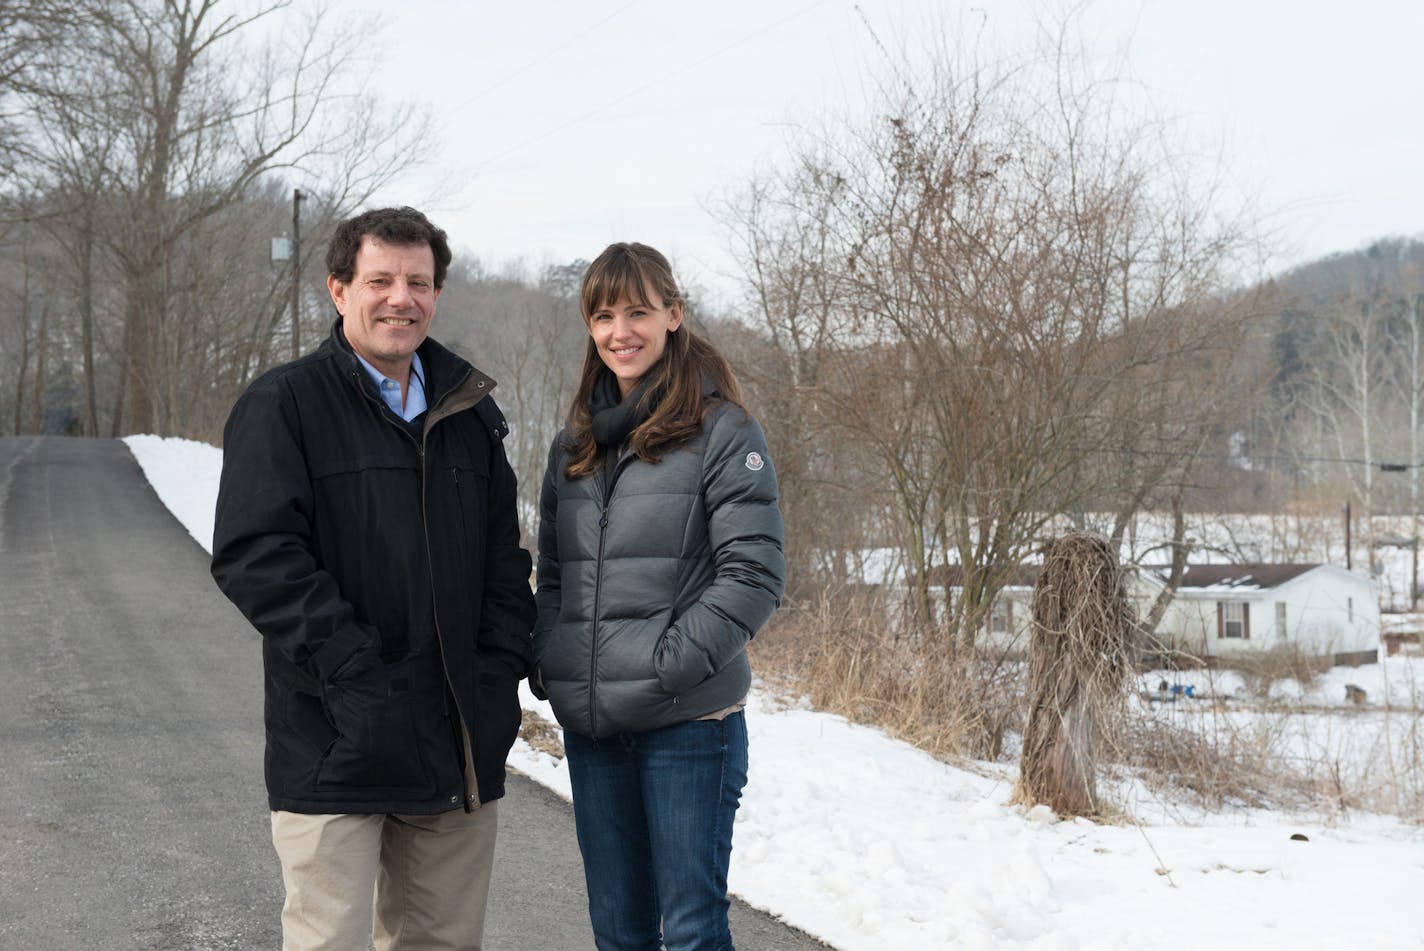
(391, 389)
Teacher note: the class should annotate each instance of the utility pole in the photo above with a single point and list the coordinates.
(1414, 573)
(296, 273)
(1347, 535)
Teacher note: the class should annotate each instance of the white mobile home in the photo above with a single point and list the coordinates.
(1225, 611)
(1221, 611)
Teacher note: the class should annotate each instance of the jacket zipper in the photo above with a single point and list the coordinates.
(610, 477)
(465, 739)
(593, 652)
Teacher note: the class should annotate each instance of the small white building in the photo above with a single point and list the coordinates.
(1225, 611)
(1221, 611)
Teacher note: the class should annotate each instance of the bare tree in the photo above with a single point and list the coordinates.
(996, 280)
(1412, 306)
(1352, 386)
(182, 132)
(160, 137)
(528, 335)
(799, 311)
(32, 33)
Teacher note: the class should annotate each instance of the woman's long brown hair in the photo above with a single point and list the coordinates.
(638, 272)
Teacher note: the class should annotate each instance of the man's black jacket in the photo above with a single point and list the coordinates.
(381, 564)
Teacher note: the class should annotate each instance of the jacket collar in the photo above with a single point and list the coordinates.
(444, 370)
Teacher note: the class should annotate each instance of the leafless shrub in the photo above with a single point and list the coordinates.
(1402, 792)
(1262, 671)
(1264, 752)
(841, 652)
(1215, 768)
(1385, 770)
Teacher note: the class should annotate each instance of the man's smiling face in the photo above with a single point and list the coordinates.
(386, 308)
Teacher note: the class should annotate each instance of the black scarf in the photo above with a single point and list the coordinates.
(615, 418)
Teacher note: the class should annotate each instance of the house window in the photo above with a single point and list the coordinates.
(1281, 620)
(1001, 617)
(1233, 619)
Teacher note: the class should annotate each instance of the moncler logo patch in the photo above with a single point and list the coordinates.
(755, 462)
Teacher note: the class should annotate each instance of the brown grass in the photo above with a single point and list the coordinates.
(1214, 770)
(541, 735)
(840, 652)
(1265, 669)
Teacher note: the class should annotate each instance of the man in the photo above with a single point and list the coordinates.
(366, 526)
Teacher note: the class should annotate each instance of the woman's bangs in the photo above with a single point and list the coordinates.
(618, 279)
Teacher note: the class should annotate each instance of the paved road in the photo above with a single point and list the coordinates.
(132, 814)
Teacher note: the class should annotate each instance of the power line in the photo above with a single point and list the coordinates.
(644, 88)
(1381, 466)
(549, 55)
(1273, 458)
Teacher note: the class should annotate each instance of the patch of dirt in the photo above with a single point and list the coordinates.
(541, 735)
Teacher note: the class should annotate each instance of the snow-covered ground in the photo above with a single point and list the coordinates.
(1369, 753)
(869, 843)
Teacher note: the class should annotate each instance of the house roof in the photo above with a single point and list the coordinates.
(1236, 576)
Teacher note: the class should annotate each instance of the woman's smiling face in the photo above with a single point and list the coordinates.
(630, 336)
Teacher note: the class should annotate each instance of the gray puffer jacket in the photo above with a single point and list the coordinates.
(650, 589)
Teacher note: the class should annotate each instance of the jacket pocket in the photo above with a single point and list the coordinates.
(497, 717)
(376, 746)
(678, 663)
(469, 483)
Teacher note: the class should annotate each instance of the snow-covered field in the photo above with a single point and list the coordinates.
(1369, 753)
(870, 844)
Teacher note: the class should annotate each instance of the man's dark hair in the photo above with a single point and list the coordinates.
(400, 226)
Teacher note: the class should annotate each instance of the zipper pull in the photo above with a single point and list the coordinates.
(603, 519)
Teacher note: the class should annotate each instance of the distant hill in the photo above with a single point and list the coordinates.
(1336, 383)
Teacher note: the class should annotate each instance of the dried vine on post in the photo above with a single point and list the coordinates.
(1079, 657)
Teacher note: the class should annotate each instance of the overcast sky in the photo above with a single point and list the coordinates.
(567, 124)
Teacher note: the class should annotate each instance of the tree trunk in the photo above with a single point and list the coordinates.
(41, 347)
(24, 341)
(86, 317)
(1174, 575)
(139, 314)
(24, 361)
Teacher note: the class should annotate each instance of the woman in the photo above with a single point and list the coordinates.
(660, 555)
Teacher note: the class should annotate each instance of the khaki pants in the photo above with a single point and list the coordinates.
(425, 878)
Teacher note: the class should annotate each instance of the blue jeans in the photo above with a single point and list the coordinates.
(654, 816)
